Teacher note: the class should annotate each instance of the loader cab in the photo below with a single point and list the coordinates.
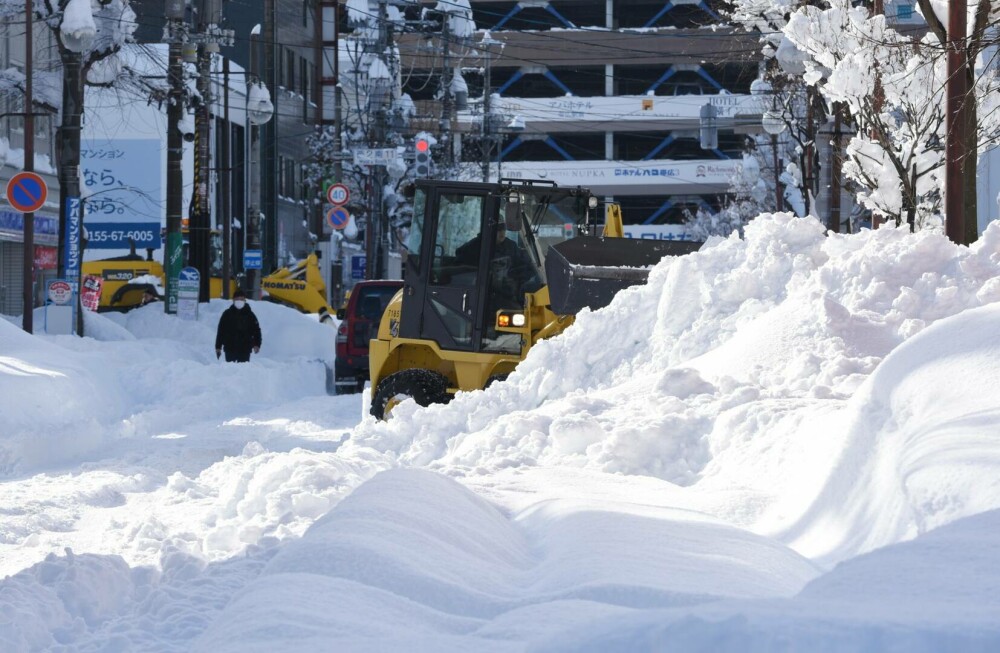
(474, 249)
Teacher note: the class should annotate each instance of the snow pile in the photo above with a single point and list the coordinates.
(786, 441)
(64, 396)
(739, 359)
(451, 572)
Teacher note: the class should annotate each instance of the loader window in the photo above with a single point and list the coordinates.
(456, 251)
(415, 237)
(454, 270)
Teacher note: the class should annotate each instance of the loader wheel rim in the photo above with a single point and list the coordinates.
(394, 401)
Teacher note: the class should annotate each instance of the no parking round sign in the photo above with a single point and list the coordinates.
(337, 217)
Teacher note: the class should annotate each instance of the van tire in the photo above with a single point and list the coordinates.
(423, 386)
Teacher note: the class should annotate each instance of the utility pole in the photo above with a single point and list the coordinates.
(270, 141)
(837, 161)
(259, 112)
(778, 203)
(380, 92)
(209, 37)
(338, 164)
(174, 248)
(252, 233)
(956, 123)
(70, 206)
(446, 100)
(28, 270)
(199, 224)
(489, 123)
(226, 187)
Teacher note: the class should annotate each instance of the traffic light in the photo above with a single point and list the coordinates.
(422, 167)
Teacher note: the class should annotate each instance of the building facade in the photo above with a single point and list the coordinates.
(599, 93)
(46, 80)
(281, 54)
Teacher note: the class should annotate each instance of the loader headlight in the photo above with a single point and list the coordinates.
(510, 319)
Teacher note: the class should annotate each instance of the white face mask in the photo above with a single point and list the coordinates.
(239, 303)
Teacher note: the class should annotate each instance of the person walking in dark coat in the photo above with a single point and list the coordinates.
(239, 332)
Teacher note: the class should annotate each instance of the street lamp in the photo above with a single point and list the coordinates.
(259, 107)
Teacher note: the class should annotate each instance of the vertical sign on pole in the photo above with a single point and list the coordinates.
(188, 287)
(71, 261)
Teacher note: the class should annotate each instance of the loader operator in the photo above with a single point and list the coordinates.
(511, 272)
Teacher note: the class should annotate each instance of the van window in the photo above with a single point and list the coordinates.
(373, 300)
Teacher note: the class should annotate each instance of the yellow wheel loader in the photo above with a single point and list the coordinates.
(120, 290)
(490, 270)
(300, 286)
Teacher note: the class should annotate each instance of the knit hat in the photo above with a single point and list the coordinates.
(239, 294)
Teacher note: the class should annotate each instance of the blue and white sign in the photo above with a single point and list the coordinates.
(71, 255)
(106, 235)
(124, 198)
(358, 264)
(188, 287)
(12, 228)
(253, 259)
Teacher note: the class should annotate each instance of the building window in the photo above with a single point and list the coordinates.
(286, 179)
(290, 70)
(904, 12)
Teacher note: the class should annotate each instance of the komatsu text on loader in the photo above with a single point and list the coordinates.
(490, 270)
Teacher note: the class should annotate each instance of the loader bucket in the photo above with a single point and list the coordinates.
(587, 272)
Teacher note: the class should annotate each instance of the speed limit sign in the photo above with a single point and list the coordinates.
(337, 194)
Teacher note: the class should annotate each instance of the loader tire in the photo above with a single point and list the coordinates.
(496, 378)
(423, 386)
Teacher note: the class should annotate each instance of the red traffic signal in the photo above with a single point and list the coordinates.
(422, 166)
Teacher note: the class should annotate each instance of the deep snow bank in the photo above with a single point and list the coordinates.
(732, 372)
(139, 374)
(935, 593)
(444, 570)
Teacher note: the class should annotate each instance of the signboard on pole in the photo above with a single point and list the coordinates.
(338, 194)
(253, 259)
(71, 255)
(60, 307)
(175, 252)
(124, 181)
(379, 156)
(90, 296)
(358, 263)
(27, 192)
(188, 285)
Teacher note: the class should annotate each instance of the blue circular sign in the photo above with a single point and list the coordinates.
(337, 217)
(27, 192)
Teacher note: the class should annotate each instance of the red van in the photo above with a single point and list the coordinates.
(359, 322)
